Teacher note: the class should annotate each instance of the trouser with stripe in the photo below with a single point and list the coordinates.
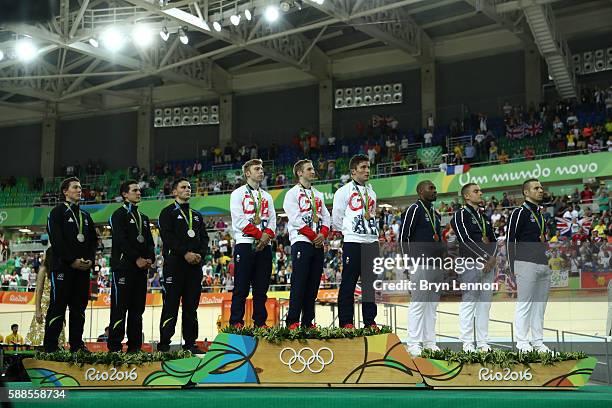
(307, 268)
(182, 282)
(475, 307)
(128, 296)
(69, 288)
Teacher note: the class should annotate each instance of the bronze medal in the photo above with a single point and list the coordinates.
(542, 238)
(485, 240)
(436, 237)
(367, 216)
(315, 218)
(257, 219)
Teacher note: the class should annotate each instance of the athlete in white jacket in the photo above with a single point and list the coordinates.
(354, 215)
(253, 224)
(309, 223)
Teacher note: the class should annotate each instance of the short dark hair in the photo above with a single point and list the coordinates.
(176, 182)
(14, 325)
(357, 160)
(527, 182)
(465, 188)
(125, 186)
(299, 165)
(66, 183)
(422, 185)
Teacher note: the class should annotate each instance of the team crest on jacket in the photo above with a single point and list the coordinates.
(248, 206)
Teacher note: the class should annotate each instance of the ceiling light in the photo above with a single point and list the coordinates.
(319, 2)
(113, 39)
(285, 6)
(26, 50)
(183, 36)
(235, 19)
(24, 230)
(142, 36)
(164, 34)
(205, 25)
(248, 15)
(93, 42)
(1, 55)
(271, 13)
(217, 26)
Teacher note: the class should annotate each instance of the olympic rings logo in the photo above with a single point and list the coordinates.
(306, 358)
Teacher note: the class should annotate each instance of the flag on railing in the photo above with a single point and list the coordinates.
(535, 129)
(458, 169)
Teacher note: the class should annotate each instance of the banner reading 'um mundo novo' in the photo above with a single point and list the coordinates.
(565, 168)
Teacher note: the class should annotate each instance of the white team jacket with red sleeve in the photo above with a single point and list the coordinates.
(242, 208)
(298, 207)
(348, 213)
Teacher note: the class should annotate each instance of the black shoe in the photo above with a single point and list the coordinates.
(81, 349)
(164, 348)
(194, 350)
(133, 351)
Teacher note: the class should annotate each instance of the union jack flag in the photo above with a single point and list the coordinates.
(565, 226)
(515, 132)
(534, 129)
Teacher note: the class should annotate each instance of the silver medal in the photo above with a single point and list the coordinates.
(140, 238)
(191, 233)
(81, 238)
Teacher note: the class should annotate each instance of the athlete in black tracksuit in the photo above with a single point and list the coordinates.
(181, 280)
(67, 226)
(129, 281)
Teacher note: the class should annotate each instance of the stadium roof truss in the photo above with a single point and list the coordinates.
(309, 37)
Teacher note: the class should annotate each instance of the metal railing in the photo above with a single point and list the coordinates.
(606, 350)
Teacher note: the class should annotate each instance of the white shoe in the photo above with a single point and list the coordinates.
(415, 350)
(468, 347)
(542, 348)
(432, 347)
(484, 348)
(525, 349)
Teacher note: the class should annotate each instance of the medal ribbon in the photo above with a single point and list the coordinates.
(139, 221)
(79, 221)
(313, 203)
(256, 203)
(480, 221)
(365, 202)
(432, 220)
(539, 221)
(190, 222)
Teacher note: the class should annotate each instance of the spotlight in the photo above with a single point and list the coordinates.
(164, 34)
(183, 36)
(271, 13)
(235, 19)
(319, 2)
(26, 50)
(285, 6)
(113, 39)
(248, 15)
(142, 36)
(94, 42)
(1, 55)
(217, 26)
(205, 25)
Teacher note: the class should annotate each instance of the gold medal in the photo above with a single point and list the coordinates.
(542, 238)
(367, 216)
(315, 218)
(485, 240)
(257, 219)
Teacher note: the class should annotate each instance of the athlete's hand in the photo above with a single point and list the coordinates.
(191, 258)
(39, 316)
(490, 264)
(318, 241)
(265, 238)
(142, 263)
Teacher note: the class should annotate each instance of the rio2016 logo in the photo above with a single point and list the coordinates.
(114, 375)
